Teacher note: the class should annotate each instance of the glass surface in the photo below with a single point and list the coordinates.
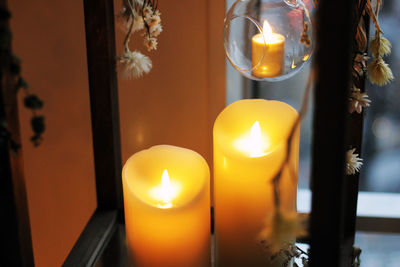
(116, 253)
(381, 144)
(377, 250)
(381, 141)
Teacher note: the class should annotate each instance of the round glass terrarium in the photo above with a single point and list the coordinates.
(268, 40)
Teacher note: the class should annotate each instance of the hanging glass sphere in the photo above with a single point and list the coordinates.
(268, 40)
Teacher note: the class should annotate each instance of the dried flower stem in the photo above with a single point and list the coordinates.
(373, 17)
(128, 35)
(302, 112)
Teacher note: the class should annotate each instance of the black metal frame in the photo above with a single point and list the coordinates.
(332, 224)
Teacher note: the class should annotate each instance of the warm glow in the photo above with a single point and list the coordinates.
(306, 57)
(267, 31)
(253, 144)
(165, 192)
(293, 65)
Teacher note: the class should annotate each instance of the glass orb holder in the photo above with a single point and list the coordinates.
(268, 40)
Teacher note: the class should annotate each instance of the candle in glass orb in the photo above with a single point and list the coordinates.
(268, 51)
(249, 147)
(167, 207)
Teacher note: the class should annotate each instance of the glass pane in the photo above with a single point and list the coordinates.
(379, 249)
(381, 144)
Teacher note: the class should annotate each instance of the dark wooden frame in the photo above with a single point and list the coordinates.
(334, 194)
(101, 60)
(15, 230)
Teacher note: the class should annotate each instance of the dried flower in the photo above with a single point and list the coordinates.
(356, 256)
(153, 20)
(304, 261)
(358, 100)
(147, 11)
(135, 64)
(379, 72)
(360, 64)
(353, 162)
(155, 30)
(280, 229)
(380, 46)
(150, 43)
(138, 24)
(304, 38)
(139, 15)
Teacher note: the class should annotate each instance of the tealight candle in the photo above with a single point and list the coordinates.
(249, 147)
(268, 51)
(167, 207)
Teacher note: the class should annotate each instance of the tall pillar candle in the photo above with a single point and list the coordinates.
(249, 147)
(167, 207)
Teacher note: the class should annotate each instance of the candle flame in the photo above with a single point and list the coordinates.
(293, 65)
(306, 57)
(253, 144)
(256, 141)
(267, 31)
(165, 192)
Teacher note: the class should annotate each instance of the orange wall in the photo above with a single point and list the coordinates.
(177, 101)
(175, 104)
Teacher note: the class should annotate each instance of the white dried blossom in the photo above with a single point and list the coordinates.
(379, 72)
(147, 11)
(150, 43)
(155, 30)
(353, 162)
(358, 100)
(153, 20)
(380, 46)
(134, 64)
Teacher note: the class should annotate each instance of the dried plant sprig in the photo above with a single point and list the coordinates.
(304, 36)
(31, 101)
(373, 16)
(361, 36)
(358, 100)
(379, 72)
(360, 64)
(272, 234)
(353, 162)
(356, 257)
(280, 229)
(140, 15)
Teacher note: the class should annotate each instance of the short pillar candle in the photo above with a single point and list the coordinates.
(268, 53)
(249, 147)
(167, 207)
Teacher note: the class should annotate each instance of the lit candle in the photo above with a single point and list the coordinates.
(249, 147)
(167, 207)
(268, 51)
